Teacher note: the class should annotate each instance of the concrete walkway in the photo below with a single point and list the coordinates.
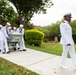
(40, 62)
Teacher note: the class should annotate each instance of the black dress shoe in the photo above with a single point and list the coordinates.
(8, 52)
(24, 49)
(3, 52)
(20, 50)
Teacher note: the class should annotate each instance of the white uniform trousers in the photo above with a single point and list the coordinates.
(2, 44)
(6, 45)
(71, 51)
(22, 44)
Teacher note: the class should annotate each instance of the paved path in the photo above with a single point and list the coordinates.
(40, 62)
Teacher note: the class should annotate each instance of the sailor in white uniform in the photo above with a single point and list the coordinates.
(0, 34)
(6, 36)
(22, 43)
(14, 29)
(1, 40)
(67, 41)
(10, 31)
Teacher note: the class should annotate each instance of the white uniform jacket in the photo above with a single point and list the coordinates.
(10, 31)
(22, 43)
(20, 31)
(1, 34)
(66, 33)
(4, 30)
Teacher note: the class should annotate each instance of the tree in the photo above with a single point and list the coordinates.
(27, 8)
(29, 26)
(6, 12)
(73, 25)
(2, 8)
(51, 31)
(44, 30)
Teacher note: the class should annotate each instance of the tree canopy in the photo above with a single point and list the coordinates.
(6, 12)
(27, 8)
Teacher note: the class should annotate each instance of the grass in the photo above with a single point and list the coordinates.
(9, 68)
(50, 47)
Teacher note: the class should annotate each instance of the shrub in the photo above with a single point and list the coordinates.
(34, 36)
(74, 37)
(45, 40)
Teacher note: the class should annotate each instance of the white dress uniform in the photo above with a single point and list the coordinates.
(1, 40)
(10, 31)
(66, 38)
(14, 29)
(5, 36)
(22, 44)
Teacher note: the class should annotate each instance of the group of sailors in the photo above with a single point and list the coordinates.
(4, 36)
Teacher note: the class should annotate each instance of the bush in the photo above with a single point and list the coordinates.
(45, 40)
(74, 37)
(34, 36)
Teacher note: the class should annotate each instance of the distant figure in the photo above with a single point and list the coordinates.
(14, 29)
(67, 41)
(22, 43)
(10, 31)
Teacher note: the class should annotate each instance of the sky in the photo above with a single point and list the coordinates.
(55, 13)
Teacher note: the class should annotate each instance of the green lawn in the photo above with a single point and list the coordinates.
(9, 68)
(50, 47)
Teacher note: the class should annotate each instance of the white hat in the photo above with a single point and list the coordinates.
(21, 25)
(10, 27)
(1, 26)
(14, 27)
(68, 14)
(8, 23)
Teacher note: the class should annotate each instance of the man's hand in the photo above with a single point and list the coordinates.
(8, 38)
(68, 44)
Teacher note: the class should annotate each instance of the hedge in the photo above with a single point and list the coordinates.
(34, 37)
(74, 37)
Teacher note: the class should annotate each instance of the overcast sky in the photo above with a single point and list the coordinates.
(55, 13)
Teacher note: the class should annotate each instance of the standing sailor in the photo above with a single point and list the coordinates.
(22, 43)
(67, 41)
